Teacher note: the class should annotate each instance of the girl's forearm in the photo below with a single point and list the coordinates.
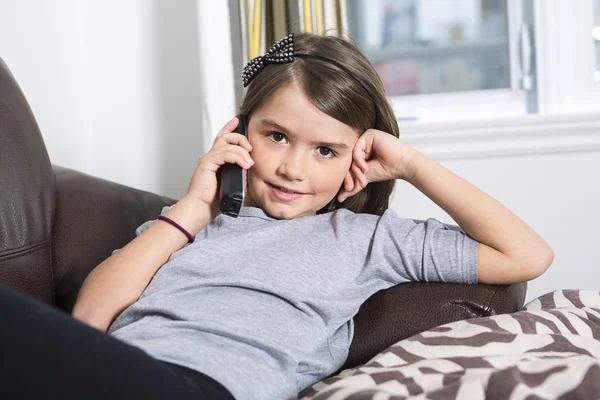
(119, 280)
(478, 214)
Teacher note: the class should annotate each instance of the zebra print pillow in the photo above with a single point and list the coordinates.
(549, 349)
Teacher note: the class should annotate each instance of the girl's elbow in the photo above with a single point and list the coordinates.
(542, 260)
(495, 267)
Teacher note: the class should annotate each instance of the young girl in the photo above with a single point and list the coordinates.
(261, 306)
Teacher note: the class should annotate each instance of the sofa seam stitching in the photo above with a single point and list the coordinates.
(13, 253)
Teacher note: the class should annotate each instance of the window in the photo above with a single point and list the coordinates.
(447, 60)
(465, 59)
(443, 60)
(434, 46)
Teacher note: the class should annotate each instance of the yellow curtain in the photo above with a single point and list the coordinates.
(276, 18)
(254, 19)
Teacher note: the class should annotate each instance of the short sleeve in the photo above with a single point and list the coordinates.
(147, 224)
(407, 251)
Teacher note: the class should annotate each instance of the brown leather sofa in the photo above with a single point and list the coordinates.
(57, 224)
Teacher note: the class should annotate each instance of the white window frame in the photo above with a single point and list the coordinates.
(566, 56)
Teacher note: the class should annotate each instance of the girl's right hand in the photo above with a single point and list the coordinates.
(228, 147)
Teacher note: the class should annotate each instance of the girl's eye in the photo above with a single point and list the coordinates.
(326, 152)
(276, 137)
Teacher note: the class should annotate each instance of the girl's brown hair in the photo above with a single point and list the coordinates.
(337, 94)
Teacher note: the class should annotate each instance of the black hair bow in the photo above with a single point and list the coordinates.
(281, 52)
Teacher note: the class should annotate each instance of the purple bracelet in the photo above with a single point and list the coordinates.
(176, 225)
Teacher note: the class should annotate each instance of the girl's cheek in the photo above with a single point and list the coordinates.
(259, 165)
(262, 158)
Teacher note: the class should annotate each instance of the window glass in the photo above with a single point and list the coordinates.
(434, 46)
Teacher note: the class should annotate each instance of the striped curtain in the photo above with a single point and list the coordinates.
(263, 22)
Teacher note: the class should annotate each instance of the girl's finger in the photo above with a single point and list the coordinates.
(360, 177)
(362, 164)
(347, 188)
(359, 148)
(356, 185)
(369, 136)
(232, 154)
(233, 158)
(231, 125)
(213, 162)
(348, 181)
(359, 155)
(228, 128)
(235, 138)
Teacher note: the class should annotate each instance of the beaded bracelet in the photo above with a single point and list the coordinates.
(176, 225)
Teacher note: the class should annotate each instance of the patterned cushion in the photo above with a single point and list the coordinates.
(549, 349)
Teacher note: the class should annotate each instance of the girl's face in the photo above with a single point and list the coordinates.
(299, 148)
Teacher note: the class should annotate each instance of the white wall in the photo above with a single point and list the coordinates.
(38, 42)
(544, 168)
(134, 91)
(557, 195)
(118, 86)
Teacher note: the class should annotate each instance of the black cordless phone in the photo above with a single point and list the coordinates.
(232, 181)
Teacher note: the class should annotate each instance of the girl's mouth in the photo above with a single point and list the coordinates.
(282, 195)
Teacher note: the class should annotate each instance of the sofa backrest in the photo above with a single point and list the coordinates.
(27, 196)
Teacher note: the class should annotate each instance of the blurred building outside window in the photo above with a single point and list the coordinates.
(465, 59)
(431, 46)
(432, 54)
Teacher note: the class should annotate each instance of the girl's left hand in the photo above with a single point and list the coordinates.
(377, 156)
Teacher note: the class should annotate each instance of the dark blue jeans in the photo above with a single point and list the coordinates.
(46, 353)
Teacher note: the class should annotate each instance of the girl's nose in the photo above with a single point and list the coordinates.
(293, 167)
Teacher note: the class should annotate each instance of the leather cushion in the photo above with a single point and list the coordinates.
(94, 216)
(27, 196)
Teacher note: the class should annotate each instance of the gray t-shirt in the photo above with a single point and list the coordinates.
(265, 306)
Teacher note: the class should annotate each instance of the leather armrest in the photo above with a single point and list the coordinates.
(93, 217)
(407, 309)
